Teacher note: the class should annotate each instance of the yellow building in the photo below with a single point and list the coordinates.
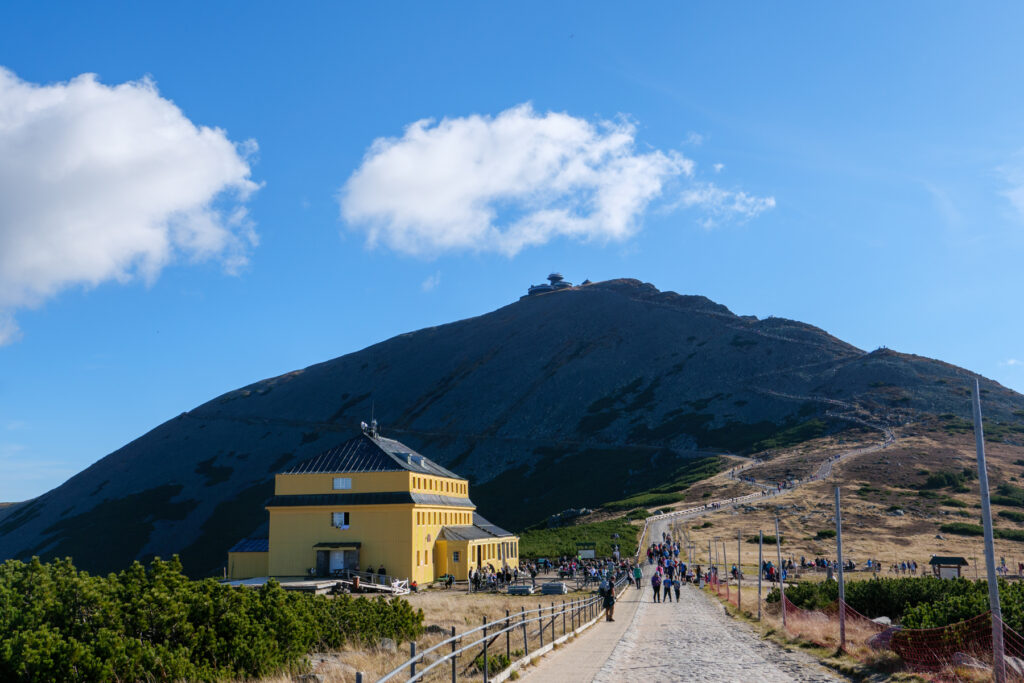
(368, 503)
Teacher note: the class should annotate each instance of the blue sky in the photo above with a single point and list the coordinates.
(860, 168)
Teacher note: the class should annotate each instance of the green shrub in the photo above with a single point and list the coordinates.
(953, 480)
(1012, 515)
(767, 539)
(967, 529)
(154, 624)
(1009, 534)
(496, 663)
(825, 533)
(953, 503)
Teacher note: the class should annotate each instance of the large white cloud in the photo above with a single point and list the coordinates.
(506, 182)
(105, 183)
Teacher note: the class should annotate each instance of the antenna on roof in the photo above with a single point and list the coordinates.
(370, 429)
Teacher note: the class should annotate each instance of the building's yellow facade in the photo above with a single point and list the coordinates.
(370, 503)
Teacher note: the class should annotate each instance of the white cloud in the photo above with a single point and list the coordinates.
(503, 183)
(718, 167)
(1012, 362)
(720, 205)
(102, 183)
(431, 283)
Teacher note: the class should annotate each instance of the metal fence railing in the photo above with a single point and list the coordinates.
(542, 625)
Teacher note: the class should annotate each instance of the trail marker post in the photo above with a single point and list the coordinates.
(842, 584)
(998, 663)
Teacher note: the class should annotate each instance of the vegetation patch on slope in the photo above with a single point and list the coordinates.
(534, 543)
(154, 624)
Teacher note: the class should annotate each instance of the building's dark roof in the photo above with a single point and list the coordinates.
(381, 498)
(339, 544)
(481, 529)
(369, 453)
(251, 545)
(478, 520)
(948, 560)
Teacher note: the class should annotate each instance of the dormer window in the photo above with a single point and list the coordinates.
(342, 483)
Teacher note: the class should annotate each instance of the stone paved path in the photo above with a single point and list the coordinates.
(694, 640)
(581, 659)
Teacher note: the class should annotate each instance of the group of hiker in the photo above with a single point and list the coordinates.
(668, 571)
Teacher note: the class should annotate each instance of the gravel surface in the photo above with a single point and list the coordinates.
(694, 640)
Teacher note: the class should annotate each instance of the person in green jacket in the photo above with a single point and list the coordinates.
(637, 575)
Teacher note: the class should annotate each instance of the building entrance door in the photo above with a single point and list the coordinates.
(322, 563)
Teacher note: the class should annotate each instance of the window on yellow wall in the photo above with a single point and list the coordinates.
(428, 557)
(417, 558)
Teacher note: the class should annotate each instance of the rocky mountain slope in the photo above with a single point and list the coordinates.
(560, 400)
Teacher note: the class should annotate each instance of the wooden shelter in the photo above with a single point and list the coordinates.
(947, 566)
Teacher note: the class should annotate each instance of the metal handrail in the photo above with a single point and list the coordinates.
(543, 614)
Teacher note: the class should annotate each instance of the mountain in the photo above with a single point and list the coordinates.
(571, 398)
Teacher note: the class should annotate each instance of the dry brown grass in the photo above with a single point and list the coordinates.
(818, 634)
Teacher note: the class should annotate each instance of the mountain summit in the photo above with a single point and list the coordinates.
(572, 397)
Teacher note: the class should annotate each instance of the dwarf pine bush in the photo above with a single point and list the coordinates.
(154, 623)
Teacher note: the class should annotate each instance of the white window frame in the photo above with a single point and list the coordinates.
(342, 483)
(340, 520)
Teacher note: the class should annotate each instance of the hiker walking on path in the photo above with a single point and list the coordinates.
(667, 584)
(608, 593)
(637, 575)
(656, 585)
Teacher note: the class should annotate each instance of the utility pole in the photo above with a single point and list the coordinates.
(760, 569)
(725, 567)
(782, 587)
(739, 573)
(842, 584)
(998, 664)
